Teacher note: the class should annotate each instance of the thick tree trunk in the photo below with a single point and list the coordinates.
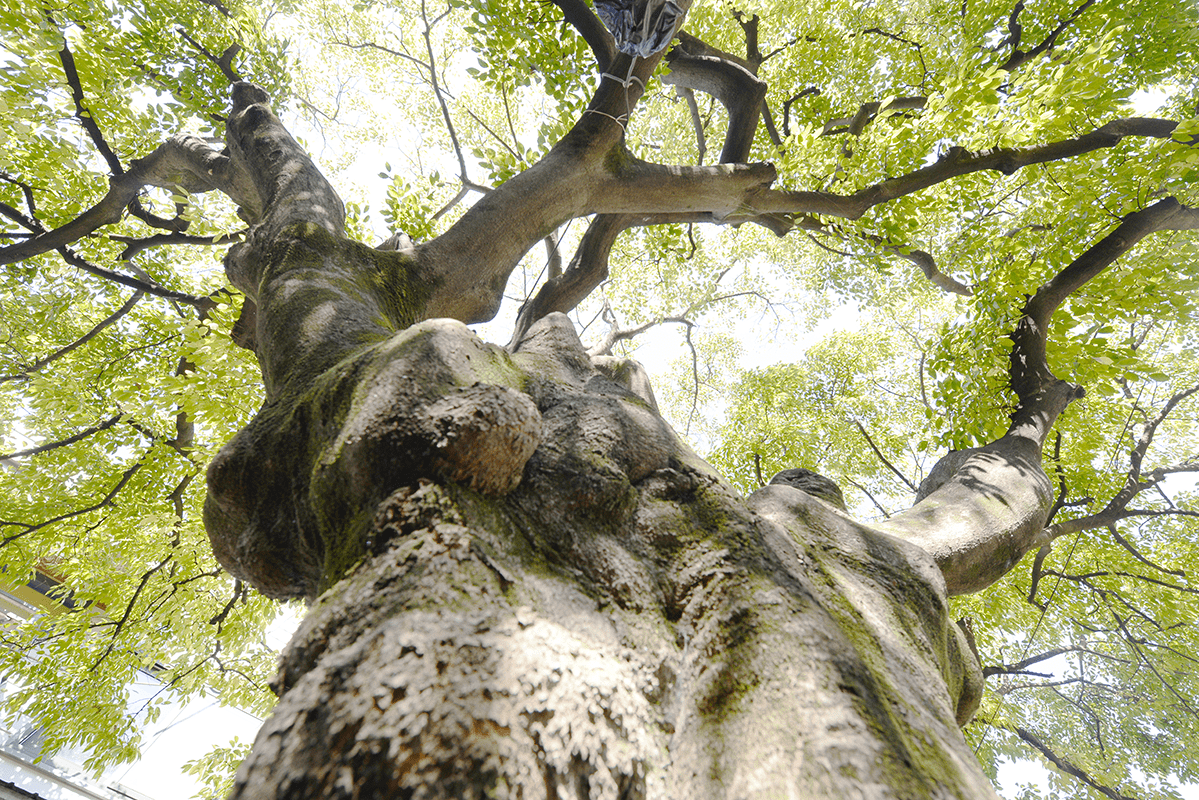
(620, 625)
(529, 587)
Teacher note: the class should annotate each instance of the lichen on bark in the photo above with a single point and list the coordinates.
(528, 585)
(620, 623)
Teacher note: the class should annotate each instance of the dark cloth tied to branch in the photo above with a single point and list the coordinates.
(640, 27)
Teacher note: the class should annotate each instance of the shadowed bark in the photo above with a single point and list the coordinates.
(529, 586)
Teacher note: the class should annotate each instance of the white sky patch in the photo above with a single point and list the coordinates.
(1147, 102)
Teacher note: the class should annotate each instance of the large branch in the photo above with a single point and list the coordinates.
(1030, 370)
(580, 17)
(732, 80)
(587, 172)
(735, 86)
(314, 305)
(587, 270)
(469, 264)
(183, 162)
(982, 509)
(588, 267)
(460, 274)
(956, 163)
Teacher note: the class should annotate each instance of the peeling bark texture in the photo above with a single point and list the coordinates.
(621, 625)
(526, 586)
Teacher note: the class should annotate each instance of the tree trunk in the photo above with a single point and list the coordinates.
(529, 586)
(620, 625)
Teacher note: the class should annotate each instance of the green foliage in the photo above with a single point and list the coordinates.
(103, 488)
(217, 767)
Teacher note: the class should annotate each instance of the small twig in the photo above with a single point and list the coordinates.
(896, 37)
(239, 593)
(1037, 566)
(388, 50)
(75, 260)
(120, 623)
(1019, 666)
(62, 351)
(1065, 765)
(1019, 57)
(106, 500)
(1127, 545)
(886, 514)
(445, 109)
(694, 373)
(883, 458)
(135, 245)
(33, 451)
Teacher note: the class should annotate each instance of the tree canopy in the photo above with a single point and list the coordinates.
(909, 218)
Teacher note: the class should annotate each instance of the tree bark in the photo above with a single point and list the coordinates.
(621, 624)
(528, 585)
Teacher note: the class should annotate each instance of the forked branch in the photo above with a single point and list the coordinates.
(183, 162)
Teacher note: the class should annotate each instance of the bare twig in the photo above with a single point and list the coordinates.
(1135, 483)
(75, 260)
(867, 113)
(886, 514)
(1038, 565)
(882, 457)
(62, 351)
(445, 109)
(616, 334)
(694, 375)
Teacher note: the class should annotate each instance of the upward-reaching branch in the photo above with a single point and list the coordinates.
(580, 17)
(735, 85)
(1030, 371)
(83, 114)
(1018, 57)
(975, 540)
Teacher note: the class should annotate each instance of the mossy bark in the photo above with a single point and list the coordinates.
(526, 586)
(619, 624)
